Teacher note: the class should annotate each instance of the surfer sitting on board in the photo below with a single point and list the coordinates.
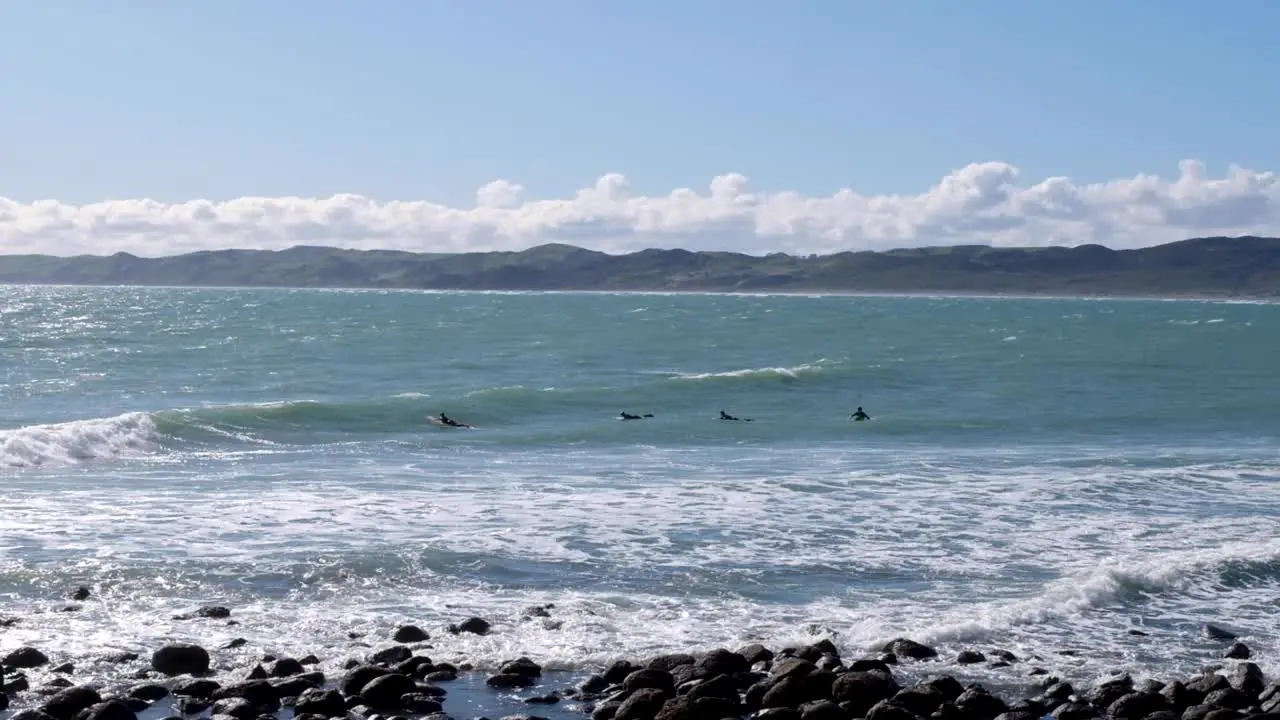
(726, 416)
(446, 420)
(860, 415)
(628, 416)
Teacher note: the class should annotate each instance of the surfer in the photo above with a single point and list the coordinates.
(859, 415)
(628, 416)
(446, 420)
(726, 416)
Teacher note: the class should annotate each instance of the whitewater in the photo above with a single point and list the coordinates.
(1083, 482)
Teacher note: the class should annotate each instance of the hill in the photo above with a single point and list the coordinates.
(1244, 267)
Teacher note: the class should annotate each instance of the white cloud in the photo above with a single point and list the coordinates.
(978, 204)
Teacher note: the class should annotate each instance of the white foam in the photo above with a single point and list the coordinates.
(78, 440)
(790, 372)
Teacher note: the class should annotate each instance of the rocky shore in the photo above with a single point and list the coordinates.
(398, 680)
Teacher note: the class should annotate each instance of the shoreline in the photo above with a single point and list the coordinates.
(404, 674)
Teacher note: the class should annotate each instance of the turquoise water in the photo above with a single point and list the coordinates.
(1038, 475)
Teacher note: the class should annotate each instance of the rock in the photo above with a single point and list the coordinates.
(921, 699)
(786, 692)
(65, 668)
(507, 681)
(885, 710)
(862, 690)
(191, 706)
(537, 611)
(203, 689)
(29, 714)
(1213, 632)
(643, 704)
(777, 714)
(606, 710)
(16, 685)
(1137, 705)
(410, 634)
(970, 657)
(1163, 715)
(1075, 711)
(120, 658)
(441, 676)
(755, 653)
(822, 710)
(235, 707)
(1238, 651)
(384, 693)
(286, 667)
(791, 667)
(1247, 678)
(473, 625)
(697, 708)
(420, 703)
(549, 699)
(68, 702)
(1223, 714)
(1228, 698)
(258, 692)
(213, 612)
(24, 657)
(902, 647)
(976, 702)
(81, 593)
(257, 672)
(670, 661)
(113, 709)
(180, 659)
(150, 693)
(618, 671)
(521, 666)
(1205, 684)
(327, 703)
(650, 679)
(292, 687)
(723, 662)
(1018, 715)
(391, 656)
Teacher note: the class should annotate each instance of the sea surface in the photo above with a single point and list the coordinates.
(1040, 475)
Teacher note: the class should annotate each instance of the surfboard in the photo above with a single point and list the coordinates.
(436, 421)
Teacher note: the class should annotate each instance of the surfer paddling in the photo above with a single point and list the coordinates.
(859, 415)
(446, 420)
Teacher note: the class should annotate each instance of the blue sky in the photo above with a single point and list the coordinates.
(430, 100)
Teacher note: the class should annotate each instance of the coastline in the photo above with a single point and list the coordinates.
(411, 672)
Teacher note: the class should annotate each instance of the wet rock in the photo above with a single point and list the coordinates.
(885, 710)
(292, 687)
(643, 704)
(777, 714)
(669, 661)
(384, 693)
(865, 664)
(420, 704)
(203, 689)
(30, 714)
(618, 671)
(862, 690)
(286, 667)
(1247, 678)
(64, 668)
(507, 681)
(410, 634)
(81, 593)
(1205, 684)
(537, 611)
(902, 647)
(120, 658)
(755, 653)
(970, 657)
(1075, 711)
(257, 672)
(1223, 714)
(212, 612)
(1137, 705)
(1018, 715)
(791, 667)
(822, 710)
(786, 692)
(113, 709)
(191, 706)
(66, 703)
(521, 666)
(309, 660)
(393, 655)
(150, 693)
(180, 659)
(723, 662)
(549, 699)
(1178, 697)
(649, 679)
(1228, 698)
(1163, 715)
(697, 708)
(1214, 632)
(326, 703)
(976, 702)
(1112, 690)
(441, 676)
(24, 657)
(921, 699)
(235, 707)
(258, 692)
(1238, 651)
(4, 702)
(473, 625)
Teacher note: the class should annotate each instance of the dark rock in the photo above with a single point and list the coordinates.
(203, 689)
(618, 671)
(286, 667)
(885, 710)
(1238, 651)
(862, 690)
(721, 686)
(643, 704)
(120, 658)
(150, 693)
(606, 710)
(949, 687)
(257, 672)
(473, 625)
(976, 702)
(419, 703)
(549, 699)
(64, 668)
(258, 692)
(1018, 715)
(723, 662)
(1163, 715)
(213, 612)
(649, 679)
(410, 634)
(416, 666)
(114, 709)
(54, 685)
(30, 714)
(391, 656)
(594, 684)
(921, 700)
(235, 643)
(292, 687)
(537, 611)
(1112, 690)
(1178, 697)
(755, 653)
(1228, 698)
(191, 706)
(902, 647)
(1213, 632)
(316, 701)
(235, 707)
(506, 681)
(697, 708)
(865, 664)
(1247, 678)
(66, 703)
(180, 659)
(384, 693)
(81, 594)
(822, 710)
(1137, 633)
(1207, 683)
(1223, 714)
(24, 657)
(786, 692)
(1075, 711)
(1137, 705)
(791, 667)
(669, 662)
(682, 674)
(522, 666)
(778, 714)
(441, 676)
(970, 657)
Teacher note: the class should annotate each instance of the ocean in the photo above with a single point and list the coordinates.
(1043, 476)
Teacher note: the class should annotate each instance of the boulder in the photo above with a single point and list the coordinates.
(180, 659)
(410, 634)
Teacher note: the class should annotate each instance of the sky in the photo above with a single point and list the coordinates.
(157, 127)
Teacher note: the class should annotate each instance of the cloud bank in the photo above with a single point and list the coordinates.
(982, 203)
